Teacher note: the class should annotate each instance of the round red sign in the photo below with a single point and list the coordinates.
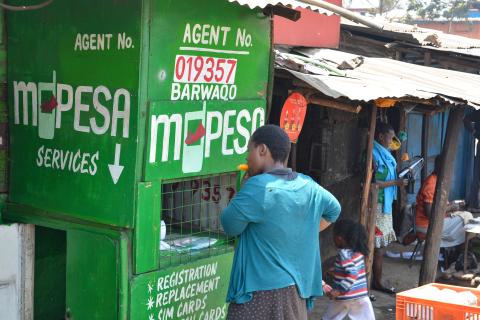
(293, 115)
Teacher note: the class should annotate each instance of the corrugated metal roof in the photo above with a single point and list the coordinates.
(433, 37)
(374, 78)
(289, 3)
(417, 35)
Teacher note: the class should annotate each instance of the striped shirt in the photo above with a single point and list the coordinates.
(349, 275)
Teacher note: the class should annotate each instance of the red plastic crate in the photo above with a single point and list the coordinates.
(409, 307)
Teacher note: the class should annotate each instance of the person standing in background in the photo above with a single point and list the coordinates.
(385, 167)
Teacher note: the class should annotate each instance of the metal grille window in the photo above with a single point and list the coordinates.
(191, 227)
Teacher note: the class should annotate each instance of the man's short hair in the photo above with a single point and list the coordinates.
(276, 140)
(382, 128)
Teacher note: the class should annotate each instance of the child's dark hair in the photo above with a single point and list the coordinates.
(354, 235)
(382, 128)
(275, 139)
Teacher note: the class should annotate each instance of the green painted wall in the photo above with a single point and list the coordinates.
(81, 129)
(88, 86)
(50, 273)
(195, 291)
(77, 159)
(215, 29)
(92, 276)
(205, 65)
(3, 115)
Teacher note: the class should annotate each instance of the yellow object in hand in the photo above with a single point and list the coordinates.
(243, 167)
(396, 144)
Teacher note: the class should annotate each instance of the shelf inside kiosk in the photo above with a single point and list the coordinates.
(191, 227)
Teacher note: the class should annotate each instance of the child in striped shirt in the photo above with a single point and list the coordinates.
(350, 293)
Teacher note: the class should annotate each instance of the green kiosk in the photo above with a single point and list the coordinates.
(127, 120)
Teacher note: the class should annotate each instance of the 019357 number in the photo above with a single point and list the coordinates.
(198, 69)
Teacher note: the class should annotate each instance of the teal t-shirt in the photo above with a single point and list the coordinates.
(277, 220)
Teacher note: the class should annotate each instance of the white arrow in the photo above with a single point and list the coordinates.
(115, 168)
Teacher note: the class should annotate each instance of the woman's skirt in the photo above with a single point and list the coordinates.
(384, 233)
(277, 304)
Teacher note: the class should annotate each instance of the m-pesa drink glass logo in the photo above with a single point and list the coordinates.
(46, 115)
(43, 102)
(194, 141)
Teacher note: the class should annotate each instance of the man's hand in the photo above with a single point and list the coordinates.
(390, 183)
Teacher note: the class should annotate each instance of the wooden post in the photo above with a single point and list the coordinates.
(372, 213)
(425, 135)
(334, 104)
(368, 167)
(432, 245)
(402, 193)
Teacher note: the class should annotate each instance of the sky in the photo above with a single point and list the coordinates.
(368, 3)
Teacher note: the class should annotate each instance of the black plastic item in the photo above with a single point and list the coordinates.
(450, 256)
(282, 11)
(471, 261)
(410, 172)
(411, 185)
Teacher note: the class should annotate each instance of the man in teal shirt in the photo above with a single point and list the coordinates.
(277, 215)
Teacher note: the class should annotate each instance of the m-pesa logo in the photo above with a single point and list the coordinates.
(91, 110)
(42, 104)
(194, 133)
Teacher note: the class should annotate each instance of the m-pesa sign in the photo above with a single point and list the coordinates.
(73, 105)
(42, 104)
(202, 119)
(77, 135)
(200, 137)
(96, 110)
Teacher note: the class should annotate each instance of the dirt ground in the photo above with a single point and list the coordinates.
(396, 273)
